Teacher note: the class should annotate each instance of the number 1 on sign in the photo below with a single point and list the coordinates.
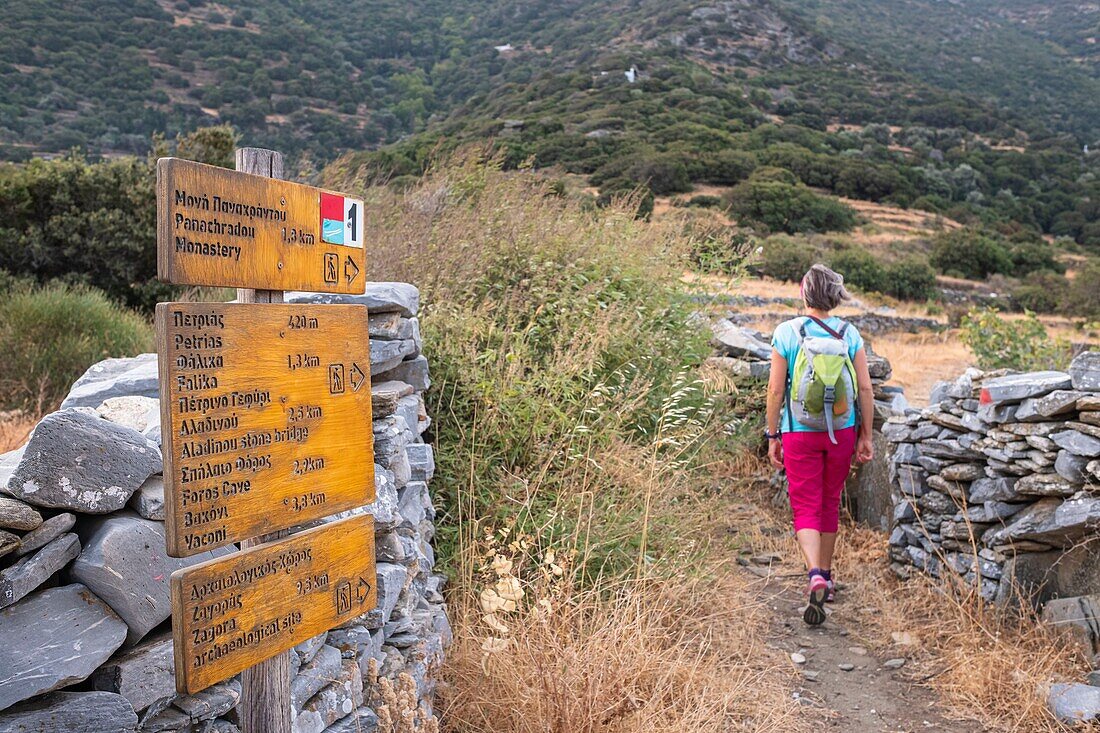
(353, 222)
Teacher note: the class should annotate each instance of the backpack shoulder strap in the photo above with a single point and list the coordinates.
(825, 327)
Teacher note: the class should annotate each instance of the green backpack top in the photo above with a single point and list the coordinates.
(822, 392)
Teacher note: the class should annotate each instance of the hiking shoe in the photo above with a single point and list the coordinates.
(814, 615)
(830, 595)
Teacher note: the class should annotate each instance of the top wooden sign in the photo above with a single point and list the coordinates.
(224, 228)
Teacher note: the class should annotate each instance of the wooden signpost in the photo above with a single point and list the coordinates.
(243, 608)
(226, 228)
(266, 416)
(266, 423)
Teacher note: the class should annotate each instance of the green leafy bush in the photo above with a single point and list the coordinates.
(1083, 296)
(1041, 292)
(723, 252)
(910, 278)
(970, 254)
(860, 268)
(781, 207)
(50, 335)
(1000, 343)
(784, 258)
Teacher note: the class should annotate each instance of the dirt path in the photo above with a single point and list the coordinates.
(841, 676)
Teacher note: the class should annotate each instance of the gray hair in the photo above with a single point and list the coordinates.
(824, 289)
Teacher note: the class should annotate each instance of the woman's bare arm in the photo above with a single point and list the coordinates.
(777, 389)
(864, 450)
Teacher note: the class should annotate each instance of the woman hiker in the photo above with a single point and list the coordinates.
(820, 410)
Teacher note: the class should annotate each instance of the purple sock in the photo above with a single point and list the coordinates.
(817, 571)
(827, 574)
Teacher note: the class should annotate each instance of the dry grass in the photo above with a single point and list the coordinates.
(988, 664)
(15, 428)
(675, 656)
(919, 360)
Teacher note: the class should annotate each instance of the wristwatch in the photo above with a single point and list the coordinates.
(772, 436)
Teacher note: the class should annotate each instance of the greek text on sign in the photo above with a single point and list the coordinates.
(233, 612)
(265, 415)
(225, 228)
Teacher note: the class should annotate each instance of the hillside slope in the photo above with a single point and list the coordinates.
(328, 76)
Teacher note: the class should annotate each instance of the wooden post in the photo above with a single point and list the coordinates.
(265, 688)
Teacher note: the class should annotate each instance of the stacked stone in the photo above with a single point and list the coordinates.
(998, 474)
(743, 352)
(84, 594)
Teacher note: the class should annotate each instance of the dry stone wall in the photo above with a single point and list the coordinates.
(84, 600)
(998, 481)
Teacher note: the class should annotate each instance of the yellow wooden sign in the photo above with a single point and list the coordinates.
(235, 611)
(225, 228)
(265, 418)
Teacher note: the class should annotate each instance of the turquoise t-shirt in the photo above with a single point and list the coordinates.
(785, 342)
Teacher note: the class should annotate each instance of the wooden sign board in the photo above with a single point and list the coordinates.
(265, 418)
(235, 611)
(225, 228)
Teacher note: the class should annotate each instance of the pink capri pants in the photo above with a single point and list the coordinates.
(816, 472)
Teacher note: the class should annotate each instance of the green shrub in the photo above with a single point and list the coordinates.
(970, 254)
(781, 207)
(50, 335)
(1029, 257)
(784, 258)
(910, 278)
(1083, 296)
(705, 201)
(1041, 292)
(1022, 344)
(860, 269)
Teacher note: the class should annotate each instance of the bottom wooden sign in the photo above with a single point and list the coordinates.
(236, 611)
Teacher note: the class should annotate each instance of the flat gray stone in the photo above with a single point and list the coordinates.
(8, 542)
(133, 411)
(912, 480)
(732, 340)
(48, 531)
(18, 515)
(1058, 402)
(79, 461)
(1051, 521)
(148, 500)
(210, 703)
(32, 571)
(1045, 484)
(1072, 468)
(1077, 443)
(905, 453)
(71, 712)
(993, 489)
(1085, 371)
(1018, 387)
(413, 372)
(1089, 403)
(422, 461)
(1080, 616)
(385, 355)
(391, 581)
(124, 562)
(937, 503)
(335, 701)
(166, 720)
(54, 638)
(322, 670)
(962, 472)
(307, 649)
(384, 297)
(115, 378)
(363, 720)
(385, 396)
(143, 675)
(1074, 702)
